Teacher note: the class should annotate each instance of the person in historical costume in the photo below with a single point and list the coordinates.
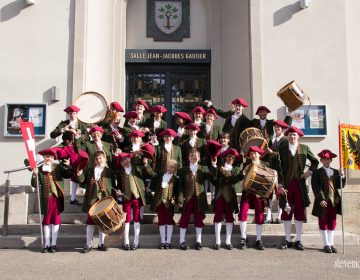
(98, 182)
(182, 120)
(132, 187)
(131, 122)
(292, 186)
(140, 107)
(155, 125)
(262, 123)
(209, 130)
(193, 142)
(166, 188)
(198, 113)
(192, 197)
(114, 109)
(73, 124)
(227, 185)
(113, 133)
(326, 183)
(51, 188)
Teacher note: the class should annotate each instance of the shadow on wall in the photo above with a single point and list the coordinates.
(12, 9)
(285, 13)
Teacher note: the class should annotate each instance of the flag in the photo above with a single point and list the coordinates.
(27, 131)
(349, 136)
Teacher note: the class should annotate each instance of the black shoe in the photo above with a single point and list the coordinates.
(268, 222)
(167, 246)
(46, 249)
(53, 249)
(229, 246)
(286, 244)
(278, 221)
(217, 247)
(198, 246)
(75, 202)
(242, 243)
(86, 249)
(298, 246)
(259, 245)
(333, 249)
(126, 247)
(162, 246)
(184, 246)
(327, 249)
(134, 247)
(103, 247)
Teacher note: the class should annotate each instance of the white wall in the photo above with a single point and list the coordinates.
(36, 54)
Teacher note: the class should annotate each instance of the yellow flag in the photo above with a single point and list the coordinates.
(350, 146)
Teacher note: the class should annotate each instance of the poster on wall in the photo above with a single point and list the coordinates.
(17, 113)
(311, 119)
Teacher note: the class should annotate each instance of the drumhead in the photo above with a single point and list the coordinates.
(93, 107)
(250, 176)
(100, 206)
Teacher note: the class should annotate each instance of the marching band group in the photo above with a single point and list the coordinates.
(145, 162)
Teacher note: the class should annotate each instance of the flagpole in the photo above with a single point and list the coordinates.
(38, 197)
(341, 189)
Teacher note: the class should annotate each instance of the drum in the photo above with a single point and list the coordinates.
(93, 107)
(292, 96)
(107, 214)
(252, 137)
(260, 180)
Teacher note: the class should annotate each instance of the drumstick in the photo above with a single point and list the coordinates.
(122, 194)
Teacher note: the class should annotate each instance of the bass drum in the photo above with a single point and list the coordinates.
(260, 180)
(93, 107)
(252, 137)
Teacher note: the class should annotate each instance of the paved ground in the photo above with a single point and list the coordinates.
(175, 264)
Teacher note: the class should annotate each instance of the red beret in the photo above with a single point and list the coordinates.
(327, 154)
(131, 114)
(211, 111)
(157, 108)
(240, 101)
(229, 151)
(254, 149)
(142, 102)
(148, 151)
(117, 106)
(281, 123)
(48, 152)
(71, 109)
(198, 109)
(294, 129)
(136, 133)
(184, 116)
(262, 108)
(124, 155)
(193, 126)
(96, 128)
(169, 132)
(213, 147)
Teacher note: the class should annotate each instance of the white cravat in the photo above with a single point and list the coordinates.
(277, 138)
(97, 172)
(165, 180)
(262, 123)
(113, 128)
(99, 146)
(127, 170)
(180, 131)
(223, 149)
(234, 118)
(228, 167)
(168, 147)
(134, 126)
(46, 167)
(208, 127)
(198, 122)
(135, 147)
(73, 124)
(193, 168)
(192, 141)
(156, 124)
(329, 171)
(293, 148)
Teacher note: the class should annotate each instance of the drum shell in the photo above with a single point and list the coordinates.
(111, 219)
(260, 180)
(290, 98)
(252, 137)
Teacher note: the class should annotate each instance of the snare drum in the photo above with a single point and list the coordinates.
(252, 137)
(292, 96)
(107, 214)
(260, 180)
(93, 107)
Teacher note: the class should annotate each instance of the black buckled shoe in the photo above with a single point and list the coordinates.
(286, 244)
(259, 245)
(162, 246)
(198, 246)
(134, 247)
(46, 249)
(53, 249)
(229, 246)
(278, 221)
(327, 249)
(86, 249)
(298, 246)
(184, 246)
(217, 247)
(242, 243)
(167, 246)
(75, 202)
(333, 249)
(126, 247)
(103, 247)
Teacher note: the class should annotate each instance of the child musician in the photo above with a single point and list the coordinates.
(51, 188)
(326, 182)
(98, 182)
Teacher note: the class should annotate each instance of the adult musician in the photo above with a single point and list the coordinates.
(262, 123)
(114, 109)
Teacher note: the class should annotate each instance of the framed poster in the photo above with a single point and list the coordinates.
(311, 119)
(16, 113)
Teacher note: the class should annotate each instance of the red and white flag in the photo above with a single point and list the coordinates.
(27, 131)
